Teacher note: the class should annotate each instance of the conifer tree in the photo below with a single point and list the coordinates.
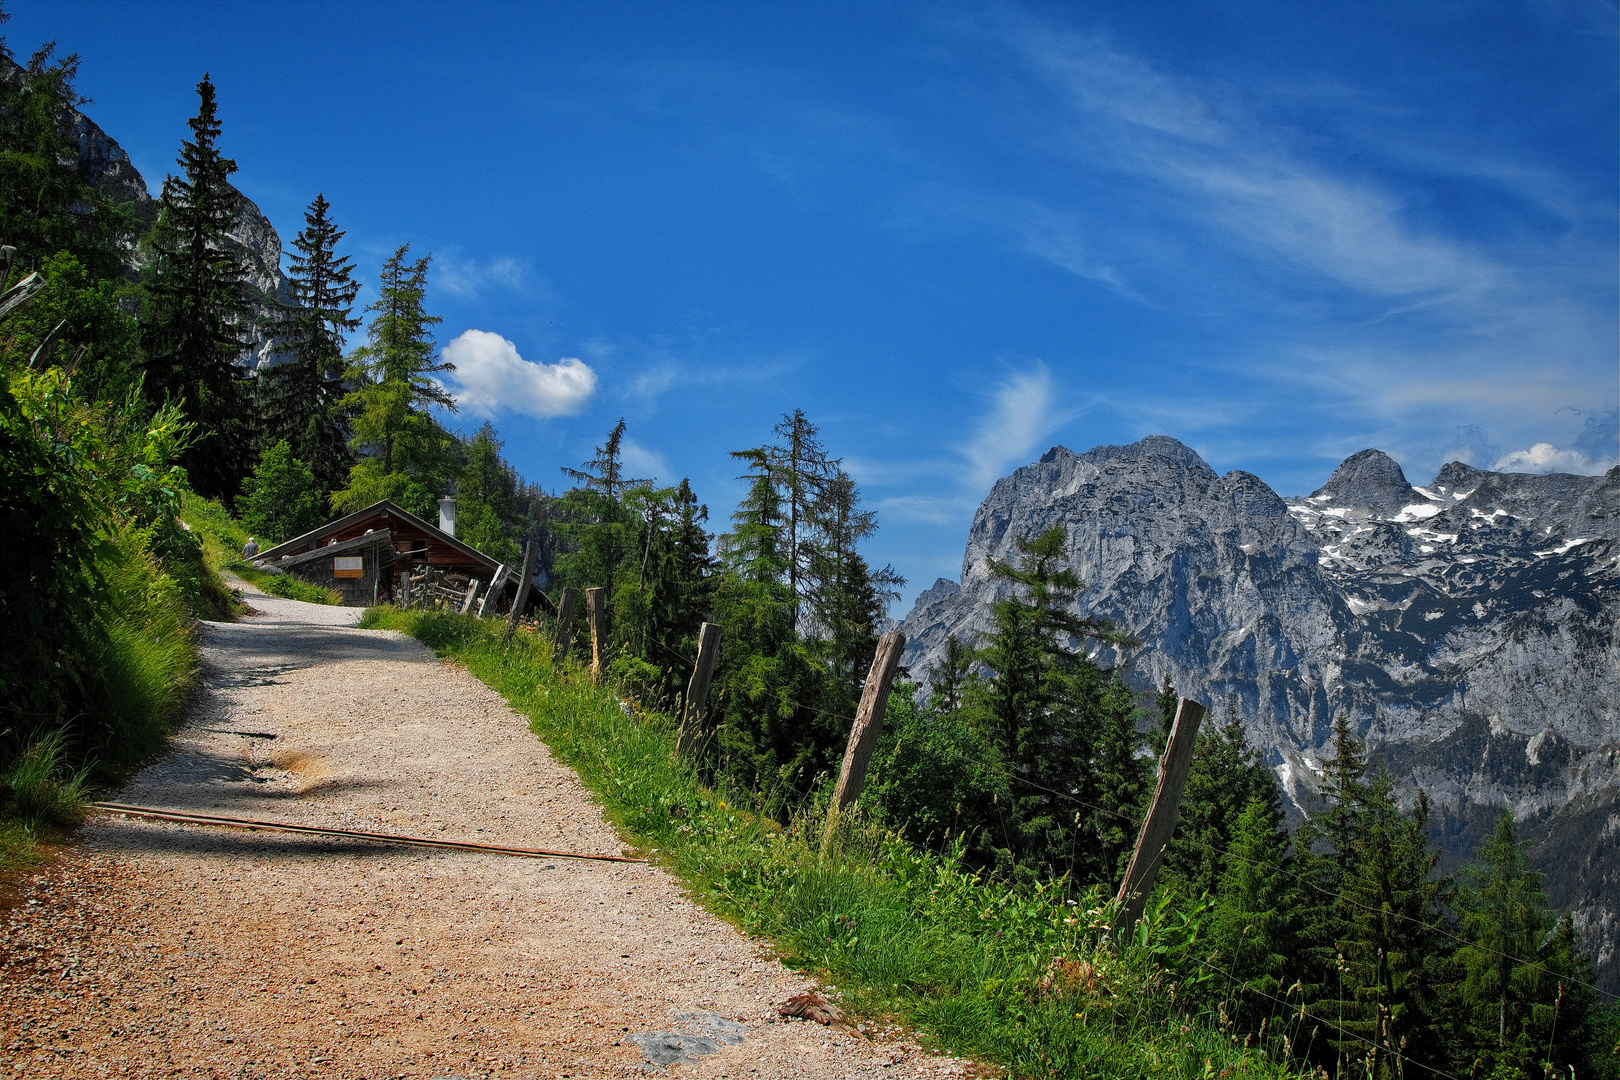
(197, 299)
(1226, 774)
(46, 205)
(594, 519)
(303, 390)
(1522, 973)
(802, 471)
(1254, 923)
(487, 498)
(404, 454)
(1043, 708)
(948, 680)
(847, 599)
(1324, 854)
(1389, 954)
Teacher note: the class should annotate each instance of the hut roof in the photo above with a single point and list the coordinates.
(380, 517)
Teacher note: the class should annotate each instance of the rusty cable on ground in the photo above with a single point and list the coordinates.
(186, 817)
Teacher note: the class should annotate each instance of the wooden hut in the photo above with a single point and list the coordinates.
(366, 555)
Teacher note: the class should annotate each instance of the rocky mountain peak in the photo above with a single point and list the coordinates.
(106, 166)
(1456, 479)
(1470, 630)
(1370, 481)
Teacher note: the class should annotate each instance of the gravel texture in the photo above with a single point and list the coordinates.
(151, 949)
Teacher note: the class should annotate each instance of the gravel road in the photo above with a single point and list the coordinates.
(151, 949)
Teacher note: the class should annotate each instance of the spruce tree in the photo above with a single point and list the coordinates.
(404, 454)
(487, 498)
(197, 301)
(1226, 774)
(1522, 973)
(948, 680)
(1253, 927)
(594, 520)
(1045, 708)
(1390, 956)
(302, 391)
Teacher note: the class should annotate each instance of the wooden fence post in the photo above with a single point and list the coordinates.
(1162, 815)
(596, 605)
(525, 585)
(695, 714)
(466, 601)
(564, 636)
(496, 583)
(863, 734)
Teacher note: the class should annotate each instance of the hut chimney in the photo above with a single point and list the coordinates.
(447, 515)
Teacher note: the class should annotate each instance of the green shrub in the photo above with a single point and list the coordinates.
(281, 499)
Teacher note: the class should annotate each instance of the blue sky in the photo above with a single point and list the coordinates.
(954, 234)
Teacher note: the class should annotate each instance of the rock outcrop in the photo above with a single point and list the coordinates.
(106, 166)
(1467, 628)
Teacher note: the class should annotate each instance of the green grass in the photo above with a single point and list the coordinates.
(222, 539)
(285, 585)
(1025, 977)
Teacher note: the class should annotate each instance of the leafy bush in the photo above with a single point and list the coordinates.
(281, 499)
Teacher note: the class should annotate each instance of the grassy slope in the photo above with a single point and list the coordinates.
(1022, 978)
(223, 537)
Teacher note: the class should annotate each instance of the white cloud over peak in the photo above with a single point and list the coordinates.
(491, 377)
(1547, 458)
(1023, 414)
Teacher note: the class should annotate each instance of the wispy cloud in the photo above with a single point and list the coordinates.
(491, 378)
(1023, 413)
(476, 279)
(643, 462)
(1204, 159)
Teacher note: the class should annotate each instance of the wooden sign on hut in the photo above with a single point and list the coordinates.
(368, 555)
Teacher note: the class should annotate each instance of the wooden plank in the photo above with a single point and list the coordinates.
(694, 716)
(596, 604)
(864, 732)
(525, 585)
(20, 293)
(496, 584)
(1162, 815)
(466, 601)
(565, 625)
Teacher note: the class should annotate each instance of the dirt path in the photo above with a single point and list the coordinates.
(165, 950)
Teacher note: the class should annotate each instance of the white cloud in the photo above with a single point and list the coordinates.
(1214, 164)
(491, 377)
(641, 462)
(1022, 416)
(1547, 458)
(471, 278)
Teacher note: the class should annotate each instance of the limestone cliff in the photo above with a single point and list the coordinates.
(1468, 628)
